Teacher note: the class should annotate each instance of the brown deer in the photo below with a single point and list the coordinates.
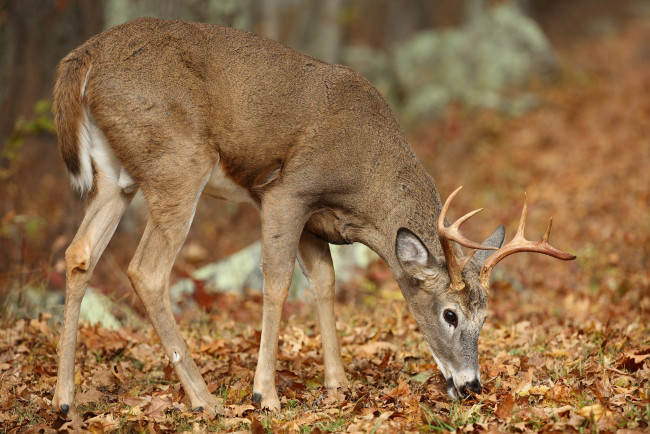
(179, 109)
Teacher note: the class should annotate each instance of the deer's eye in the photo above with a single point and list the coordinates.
(451, 317)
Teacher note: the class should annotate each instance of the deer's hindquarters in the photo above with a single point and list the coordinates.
(83, 145)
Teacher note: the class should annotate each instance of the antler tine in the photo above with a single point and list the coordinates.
(467, 259)
(522, 220)
(445, 207)
(466, 217)
(520, 244)
(548, 231)
(452, 233)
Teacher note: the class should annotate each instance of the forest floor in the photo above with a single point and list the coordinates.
(566, 346)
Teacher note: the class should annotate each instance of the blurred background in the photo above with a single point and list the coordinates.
(551, 97)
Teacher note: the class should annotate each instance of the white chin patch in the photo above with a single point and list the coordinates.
(454, 379)
(442, 367)
(451, 391)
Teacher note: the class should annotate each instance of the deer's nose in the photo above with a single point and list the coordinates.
(474, 386)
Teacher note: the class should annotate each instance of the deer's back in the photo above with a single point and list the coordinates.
(158, 85)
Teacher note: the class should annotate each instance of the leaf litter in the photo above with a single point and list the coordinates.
(566, 348)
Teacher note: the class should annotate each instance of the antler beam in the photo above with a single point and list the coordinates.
(447, 234)
(521, 244)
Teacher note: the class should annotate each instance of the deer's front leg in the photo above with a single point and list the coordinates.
(316, 263)
(282, 223)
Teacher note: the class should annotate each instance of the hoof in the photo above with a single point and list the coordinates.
(65, 408)
(265, 402)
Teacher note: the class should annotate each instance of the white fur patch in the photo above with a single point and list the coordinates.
(94, 146)
(442, 367)
(125, 181)
(83, 86)
(459, 378)
(83, 181)
(221, 187)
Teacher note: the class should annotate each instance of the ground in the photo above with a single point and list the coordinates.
(566, 346)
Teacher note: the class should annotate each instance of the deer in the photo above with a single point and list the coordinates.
(178, 110)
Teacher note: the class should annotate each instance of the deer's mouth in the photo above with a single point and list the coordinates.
(464, 391)
(451, 388)
(452, 391)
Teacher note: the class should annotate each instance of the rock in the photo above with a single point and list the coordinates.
(472, 64)
(95, 307)
(241, 271)
(501, 48)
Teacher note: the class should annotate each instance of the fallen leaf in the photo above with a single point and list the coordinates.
(104, 377)
(239, 410)
(231, 422)
(422, 377)
(90, 395)
(596, 411)
(156, 409)
(634, 361)
(505, 407)
(540, 389)
(257, 427)
(376, 347)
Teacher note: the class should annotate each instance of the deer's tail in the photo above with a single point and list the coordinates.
(70, 97)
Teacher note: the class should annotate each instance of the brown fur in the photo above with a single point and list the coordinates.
(314, 144)
(67, 105)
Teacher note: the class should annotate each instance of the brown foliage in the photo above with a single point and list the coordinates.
(566, 347)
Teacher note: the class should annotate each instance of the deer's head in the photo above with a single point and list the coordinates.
(448, 294)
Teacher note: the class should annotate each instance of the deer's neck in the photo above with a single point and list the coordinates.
(412, 202)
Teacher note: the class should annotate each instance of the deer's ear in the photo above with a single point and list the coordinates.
(495, 240)
(412, 254)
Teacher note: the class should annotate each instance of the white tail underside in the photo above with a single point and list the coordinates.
(94, 147)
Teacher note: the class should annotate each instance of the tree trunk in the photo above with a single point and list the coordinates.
(35, 36)
(329, 37)
(271, 19)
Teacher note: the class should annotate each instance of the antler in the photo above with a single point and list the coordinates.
(521, 244)
(447, 234)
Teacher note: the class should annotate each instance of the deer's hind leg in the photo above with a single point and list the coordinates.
(171, 213)
(104, 209)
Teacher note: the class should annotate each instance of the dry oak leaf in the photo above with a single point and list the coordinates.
(131, 401)
(505, 407)
(104, 377)
(74, 423)
(634, 361)
(239, 410)
(257, 427)
(90, 395)
(41, 428)
(556, 412)
(540, 390)
(306, 420)
(104, 422)
(231, 422)
(157, 407)
(373, 348)
(596, 411)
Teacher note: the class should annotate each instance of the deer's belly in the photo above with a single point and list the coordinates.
(328, 225)
(220, 186)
